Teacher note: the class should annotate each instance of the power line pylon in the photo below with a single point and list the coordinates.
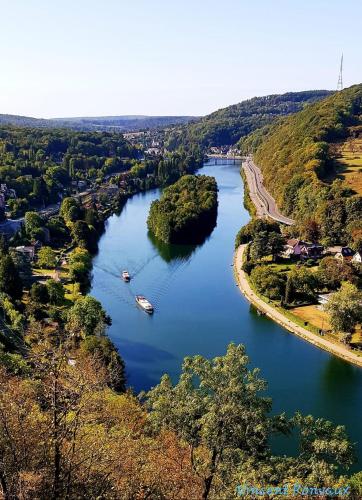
(340, 76)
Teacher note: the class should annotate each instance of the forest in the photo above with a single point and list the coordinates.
(101, 123)
(186, 211)
(39, 164)
(65, 433)
(226, 126)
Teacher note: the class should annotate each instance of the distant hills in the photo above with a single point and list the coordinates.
(226, 126)
(126, 123)
(223, 127)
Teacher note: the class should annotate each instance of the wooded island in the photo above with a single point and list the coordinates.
(186, 211)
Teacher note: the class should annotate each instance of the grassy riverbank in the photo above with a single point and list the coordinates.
(286, 319)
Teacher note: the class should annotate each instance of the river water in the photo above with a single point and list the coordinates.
(199, 310)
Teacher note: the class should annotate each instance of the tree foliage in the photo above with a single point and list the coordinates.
(186, 210)
(296, 156)
(226, 126)
(345, 308)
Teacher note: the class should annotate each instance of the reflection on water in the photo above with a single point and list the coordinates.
(172, 252)
(199, 310)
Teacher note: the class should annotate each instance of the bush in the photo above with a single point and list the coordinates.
(268, 282)
(39, 293)
(248, 266)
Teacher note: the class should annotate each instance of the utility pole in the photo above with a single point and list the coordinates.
(340, 76)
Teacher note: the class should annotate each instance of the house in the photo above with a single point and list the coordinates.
(153, 151)
(302, 249)
(345, 255)
(28, 251)
(357, 258)
(323, 299)
(293, 248)
(334, 250)
(7, 192)
(311, 251)
(82, 185)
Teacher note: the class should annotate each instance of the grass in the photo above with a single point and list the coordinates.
(350, 162)
(315, 318)
(313, 315)
(283, 267)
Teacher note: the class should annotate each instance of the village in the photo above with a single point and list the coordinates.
(301, 278)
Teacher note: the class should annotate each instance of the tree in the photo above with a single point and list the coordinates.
(355, 482)
(103, 350)
(10, 281)
(39, 293)
(289, 291)
(22, 264)
(55, 292)
(345, 308)
(11, 313)
(304, 283)
(275, 244)
(70, 210)
(84, 236)
(268, 282)
(331, 272)
(217, 405)
(81, 255)
(47, 257)
(4, 246)
(259, 247)
(33, 223)
(80, 265)
(87, 317)
(310, 230)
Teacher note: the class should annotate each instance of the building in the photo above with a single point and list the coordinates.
(293, 248)
(334, 250)
(357, 258)
(302, 249)
(28, 251)
(345, 254)
(311, 251)
(323, 299)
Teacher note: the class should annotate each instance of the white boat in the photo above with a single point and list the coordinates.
(144, 303)
(126, 276)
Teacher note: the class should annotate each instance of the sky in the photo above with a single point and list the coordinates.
(169, 57)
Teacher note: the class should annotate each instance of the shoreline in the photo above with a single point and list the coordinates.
(277, 316)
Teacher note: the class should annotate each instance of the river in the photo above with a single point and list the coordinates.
(199, 310)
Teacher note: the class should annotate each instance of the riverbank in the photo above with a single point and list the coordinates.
(278, 317)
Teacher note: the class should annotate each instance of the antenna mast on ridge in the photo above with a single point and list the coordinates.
(340, 77)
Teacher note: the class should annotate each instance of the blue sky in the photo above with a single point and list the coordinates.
(111, 57)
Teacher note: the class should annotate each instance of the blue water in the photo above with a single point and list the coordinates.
(199, 310)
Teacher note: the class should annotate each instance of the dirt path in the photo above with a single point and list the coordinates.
(274, 314)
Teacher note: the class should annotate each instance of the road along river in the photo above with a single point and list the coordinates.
(199, 310)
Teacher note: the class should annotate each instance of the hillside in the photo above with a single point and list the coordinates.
(226, 126)
(101, 123)
(304, 159)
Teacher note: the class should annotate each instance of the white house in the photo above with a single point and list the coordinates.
(29, 251)
(357, 258)
(346, 254)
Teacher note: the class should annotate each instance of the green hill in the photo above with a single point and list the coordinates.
(226, 126)
(300, 160)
